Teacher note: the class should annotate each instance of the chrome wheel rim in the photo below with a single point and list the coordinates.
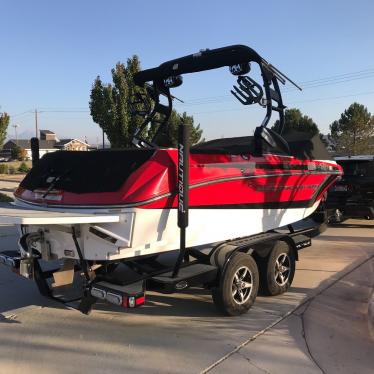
(282, 269)
(242, 284)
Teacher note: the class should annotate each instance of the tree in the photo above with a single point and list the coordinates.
(24, 155)
(295, 120)
(4, 122)
(110, 104)
(23, 168)
(18, 153)
(354, 131)
(169, 136)
(111, 107)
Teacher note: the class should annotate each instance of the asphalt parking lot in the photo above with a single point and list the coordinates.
(321, 325)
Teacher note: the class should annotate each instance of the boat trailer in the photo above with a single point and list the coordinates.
(211, 270)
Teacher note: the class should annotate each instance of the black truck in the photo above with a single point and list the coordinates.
(353, 195)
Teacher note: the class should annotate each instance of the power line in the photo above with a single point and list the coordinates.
(336, 79)
(78, 110)
(63, 108)
(333, 97)
(339, 75)
(64, 111)
(315, 83)
(21, 114)
(295, 102)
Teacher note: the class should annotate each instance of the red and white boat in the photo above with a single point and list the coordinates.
(126, 202)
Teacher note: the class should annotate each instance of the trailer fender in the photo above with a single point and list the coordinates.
(222, 255)
(263, 250)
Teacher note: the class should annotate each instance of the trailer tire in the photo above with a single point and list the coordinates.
(277, 270)
(238, 287)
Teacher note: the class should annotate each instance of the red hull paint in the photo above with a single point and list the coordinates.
(215, 181)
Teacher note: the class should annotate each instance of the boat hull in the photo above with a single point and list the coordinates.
(145, 232)
(230, 196)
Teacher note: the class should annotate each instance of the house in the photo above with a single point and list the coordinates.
(45, 146)
(47, 135)
(48, 142)
(72, 145)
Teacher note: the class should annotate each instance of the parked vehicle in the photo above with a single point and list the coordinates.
(353, 195)
(215, 192)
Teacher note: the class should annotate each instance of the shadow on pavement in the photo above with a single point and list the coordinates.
(333, 238)
(351, 226)
(334, 322)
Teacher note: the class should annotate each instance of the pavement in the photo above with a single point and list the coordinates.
(320, 325)
(371, 314)
(12, 177)
(9, 183)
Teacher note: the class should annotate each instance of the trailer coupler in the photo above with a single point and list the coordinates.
(12, 259)
(20, 265)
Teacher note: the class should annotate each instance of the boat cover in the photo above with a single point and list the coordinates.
(303, 146)
(85, 172)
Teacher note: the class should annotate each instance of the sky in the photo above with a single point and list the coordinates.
(51, 52)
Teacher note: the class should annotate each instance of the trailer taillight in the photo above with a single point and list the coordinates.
(116, 297)
(98, 293)
(140, 300)
(133, 301)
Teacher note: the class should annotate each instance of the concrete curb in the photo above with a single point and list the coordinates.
(371, 314)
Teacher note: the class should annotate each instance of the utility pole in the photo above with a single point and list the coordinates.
(103, 141)
(36, 124)
(15, 130)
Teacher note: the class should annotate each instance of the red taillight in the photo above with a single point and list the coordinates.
(140, 301)
(133, 301)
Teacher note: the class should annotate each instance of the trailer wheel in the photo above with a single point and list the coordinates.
(277, 270)
(238, 285)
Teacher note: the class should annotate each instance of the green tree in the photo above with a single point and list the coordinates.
(295, 120)
(23, 168)
(169, 136)
(4, 122)
(17, 153)
(111, 107)
(354, 131)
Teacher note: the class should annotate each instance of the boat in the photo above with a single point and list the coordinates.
(127, 204)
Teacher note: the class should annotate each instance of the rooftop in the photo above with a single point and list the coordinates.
(26, 144)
